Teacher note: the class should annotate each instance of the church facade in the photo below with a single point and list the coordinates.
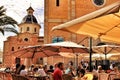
(28, 36)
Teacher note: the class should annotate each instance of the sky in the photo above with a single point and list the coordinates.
(17, 10)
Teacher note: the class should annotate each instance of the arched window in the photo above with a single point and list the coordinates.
(28, 28)
(21, 29)
(57, 2)
(12, 49)
(57, 39)
(35, 29)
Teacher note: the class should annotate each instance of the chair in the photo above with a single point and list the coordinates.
(102, 76)
(19, 77)
(66, 77)
(111, 76)
(14, 77)
(22, 78)
(7, 76)
(51, 76)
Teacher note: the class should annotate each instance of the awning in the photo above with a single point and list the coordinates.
(103, 23)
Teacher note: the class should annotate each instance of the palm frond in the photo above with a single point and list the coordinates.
(2, 31)
(2, 10)
(6, 20)
(10, 29)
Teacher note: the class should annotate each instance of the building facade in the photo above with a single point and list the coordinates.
(56, 12)
(28, 36)
(61, 11)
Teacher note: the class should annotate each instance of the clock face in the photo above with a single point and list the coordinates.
(99, 2)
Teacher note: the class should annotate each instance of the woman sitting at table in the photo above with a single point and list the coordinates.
(93, 75)
(70, 71)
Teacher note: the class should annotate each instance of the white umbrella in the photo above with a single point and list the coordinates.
(106, 49)
(70, 47)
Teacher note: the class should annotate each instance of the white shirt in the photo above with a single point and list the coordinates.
(23, 72)
(41, 72)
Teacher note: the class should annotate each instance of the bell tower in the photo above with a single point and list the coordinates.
(29, 23)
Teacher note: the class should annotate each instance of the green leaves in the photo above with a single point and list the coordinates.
(10, 29)
(6, 20)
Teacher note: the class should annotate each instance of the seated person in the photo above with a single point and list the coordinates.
(41, 71)
(50, 69)
(7, 70)
(70, 71)
(87, 77)
(23, 72)
(82, 73)
(93, 75)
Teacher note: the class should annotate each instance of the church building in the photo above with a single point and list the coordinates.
(28, 36)
(56, 12)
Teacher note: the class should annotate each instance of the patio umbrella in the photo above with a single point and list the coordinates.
(52, 49)
(68, 47)
(35, 51)
(30, 53)
(106, 49)
(96, 24)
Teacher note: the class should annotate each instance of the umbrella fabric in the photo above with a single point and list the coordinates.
(106, 49)
(68, 46)
(106, 27)
(67, 55)
(50, 50)
(35, 51)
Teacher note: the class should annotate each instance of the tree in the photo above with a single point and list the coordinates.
(5, 21)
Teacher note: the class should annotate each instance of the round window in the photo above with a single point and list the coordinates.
(99, 2)
(26, 39)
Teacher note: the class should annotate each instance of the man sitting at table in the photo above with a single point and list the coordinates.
(57, 75)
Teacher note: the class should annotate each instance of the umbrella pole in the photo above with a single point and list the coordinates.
(76, 60)
(105, 53)
(90, 53)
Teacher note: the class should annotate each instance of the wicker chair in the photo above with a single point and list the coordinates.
(111, 76)
(14, 77)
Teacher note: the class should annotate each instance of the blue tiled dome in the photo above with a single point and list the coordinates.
(29, 19)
